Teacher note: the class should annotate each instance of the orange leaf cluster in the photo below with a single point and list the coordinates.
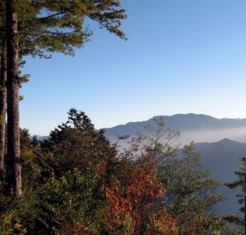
(135, 204)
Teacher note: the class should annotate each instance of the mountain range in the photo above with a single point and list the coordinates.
(193, 127)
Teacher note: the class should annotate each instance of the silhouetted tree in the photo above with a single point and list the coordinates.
(241, 184)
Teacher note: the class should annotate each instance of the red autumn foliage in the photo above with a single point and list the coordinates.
(135, 202)
(102, 168)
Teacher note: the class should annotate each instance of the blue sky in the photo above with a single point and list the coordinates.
(182, 56)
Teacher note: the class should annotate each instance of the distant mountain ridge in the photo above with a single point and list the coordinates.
(191, 121)
(201, 121)
(227, 150)
(222, 158)
(193, 127)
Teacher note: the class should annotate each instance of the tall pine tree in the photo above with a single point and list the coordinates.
(45, 26)
(13, 83)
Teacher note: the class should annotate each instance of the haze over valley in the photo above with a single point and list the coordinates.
(192, 127)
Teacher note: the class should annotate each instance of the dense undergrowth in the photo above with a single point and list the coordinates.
(76, 182)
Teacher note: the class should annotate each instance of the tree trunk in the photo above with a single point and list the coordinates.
(3, 94)
(3, 106)
(13, 82)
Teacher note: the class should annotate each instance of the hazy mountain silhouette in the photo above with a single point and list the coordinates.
(222, 158)
(193, 127)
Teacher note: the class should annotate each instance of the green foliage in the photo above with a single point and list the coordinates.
(188, 184)
(15, 214)
(63, 205)
(59, 198)
(77, 183)
(241, 184)
(190, 195)
(76, 144)
(190, 191)
(58, 26)
(68, 203)
(31, 164)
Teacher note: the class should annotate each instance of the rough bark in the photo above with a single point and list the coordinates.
(3, 95)
(3, 106)
(13, 82)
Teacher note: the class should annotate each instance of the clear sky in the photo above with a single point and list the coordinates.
(182, 56)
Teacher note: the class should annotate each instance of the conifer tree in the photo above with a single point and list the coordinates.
(241, 183)
(58, 29)
(191, 195)
(76, 144)
(13, 83)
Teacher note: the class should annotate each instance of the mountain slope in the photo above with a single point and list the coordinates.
(222, 158)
